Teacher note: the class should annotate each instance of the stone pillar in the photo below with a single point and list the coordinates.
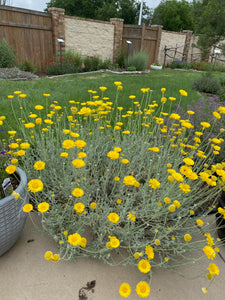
(187, 44)
(118, 37)
(58, 27)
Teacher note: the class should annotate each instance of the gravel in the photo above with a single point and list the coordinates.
(16, 74)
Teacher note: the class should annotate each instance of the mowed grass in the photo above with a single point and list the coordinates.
(75, 87)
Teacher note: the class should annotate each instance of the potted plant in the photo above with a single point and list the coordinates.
(13, 197)
(156, 66)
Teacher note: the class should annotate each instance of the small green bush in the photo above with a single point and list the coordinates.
(131, 68)
(121, 60)
(27, 66)
(7, 55)
(74, 57)
(178, 64)
(207, 84)
(139, 60)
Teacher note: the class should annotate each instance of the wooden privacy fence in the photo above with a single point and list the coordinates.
(29, 32)
(143, 38)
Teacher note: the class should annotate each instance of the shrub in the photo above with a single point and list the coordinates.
(178, 64)
(139, 60)
(27, 66)
(74, 57)
(207, 84)
(121, 60)
(7, 55)
(91, 63)
(131, 68)
(105, 181)
(67, 66)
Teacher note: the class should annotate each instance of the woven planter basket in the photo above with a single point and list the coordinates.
(12, 217)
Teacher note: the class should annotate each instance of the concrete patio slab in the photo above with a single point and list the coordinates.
(26, 275)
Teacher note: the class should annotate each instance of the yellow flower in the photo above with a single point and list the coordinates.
(157, 242)
(125, 161)
(163, 90)
(81, 155)
(17, 92)
(216, 115)
(199, 222)
(177, 203)
(125, 290)
(154, 149)
(117, 83)
(154, 183)
(10, 96)
(79, 207)
(39, 165)
(80, 144)
(118, 201)
(143, 289)
(213, 270)
(187, 237)
(64, 154)
(68, 144)
(190, 112)
(114, 242)
(185, 188)
(113, 217)
(74, 239)
(83, 242)
(205, 125)
(78, 163)
(46, 95)
(22, 95)
(144, 266)
(48, 255)
(93, 205)
(27, 207)
(15, 195)
(116, 178)
(25, 145)
(167, 200)
(55, 258)
(113, 155)
(131, 216)
(204, 290)
(209, 239)
(137, 255)
(77, 192)
(126, 132)
(38, 121)
(183, 93)
(150, 252)
(188, 161)
(13, 145)
(29, 125)
(35, 185)
(172, 208)
(103, 88)
(39, 107)
(130, 180)
(21, 152)
(43, 207)
(10, 169)
(209, 252)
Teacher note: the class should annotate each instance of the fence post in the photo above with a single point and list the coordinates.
(157, 46)
(187, 44)
(118, 36)
(143, 29)
(58, 27)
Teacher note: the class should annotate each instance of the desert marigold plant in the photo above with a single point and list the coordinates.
(133, 179)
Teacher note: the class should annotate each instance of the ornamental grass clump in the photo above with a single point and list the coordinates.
(112, 181)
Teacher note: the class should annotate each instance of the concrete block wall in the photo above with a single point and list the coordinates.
(171, 39)
(89, 37)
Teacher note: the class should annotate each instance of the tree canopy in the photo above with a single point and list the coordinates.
(174, 15)
(102, 9)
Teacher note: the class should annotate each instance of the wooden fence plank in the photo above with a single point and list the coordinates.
(29, 32)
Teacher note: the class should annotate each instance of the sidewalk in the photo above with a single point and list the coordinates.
(26, 275)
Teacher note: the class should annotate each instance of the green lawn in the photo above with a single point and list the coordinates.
(75, 87)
